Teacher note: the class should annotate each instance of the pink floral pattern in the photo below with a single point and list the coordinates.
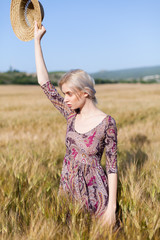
(82, 174)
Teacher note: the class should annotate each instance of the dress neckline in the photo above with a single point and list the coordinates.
(91, 129)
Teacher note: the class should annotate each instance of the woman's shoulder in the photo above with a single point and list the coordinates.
(110, 119)
(111, 127)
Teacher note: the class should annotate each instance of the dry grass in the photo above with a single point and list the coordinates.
(32, 148)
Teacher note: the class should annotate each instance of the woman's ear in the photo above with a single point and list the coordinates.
(86, 94)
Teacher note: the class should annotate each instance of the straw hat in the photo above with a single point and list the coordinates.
(23, 14)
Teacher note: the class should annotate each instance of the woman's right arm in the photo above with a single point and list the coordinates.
(43, 78)
(42, 73)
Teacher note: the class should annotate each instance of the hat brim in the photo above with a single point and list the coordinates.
(21, 28)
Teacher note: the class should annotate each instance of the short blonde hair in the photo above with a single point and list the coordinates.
(79, 80)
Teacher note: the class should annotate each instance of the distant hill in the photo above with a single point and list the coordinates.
(133, 75)
(16, 77)
(130, 74)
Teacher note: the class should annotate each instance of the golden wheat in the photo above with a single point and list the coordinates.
(32, 147)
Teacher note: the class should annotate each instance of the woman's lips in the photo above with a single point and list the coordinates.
(69, 105)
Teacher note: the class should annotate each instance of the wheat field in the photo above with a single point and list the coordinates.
(32, 147)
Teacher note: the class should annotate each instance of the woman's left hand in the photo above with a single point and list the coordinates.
(109, 217)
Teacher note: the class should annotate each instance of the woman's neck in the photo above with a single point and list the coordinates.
(88, 109)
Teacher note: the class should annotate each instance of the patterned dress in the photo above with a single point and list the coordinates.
(82, 174)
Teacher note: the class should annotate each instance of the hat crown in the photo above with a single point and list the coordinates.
(23, 14)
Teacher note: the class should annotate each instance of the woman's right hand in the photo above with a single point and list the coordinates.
(38, 32)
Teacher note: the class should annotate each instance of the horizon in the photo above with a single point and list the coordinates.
(124, 69)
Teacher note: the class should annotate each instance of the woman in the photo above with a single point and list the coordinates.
(89, 131)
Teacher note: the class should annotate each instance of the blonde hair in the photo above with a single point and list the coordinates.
(79, 80)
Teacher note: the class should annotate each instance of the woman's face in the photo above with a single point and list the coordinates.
(71, 99)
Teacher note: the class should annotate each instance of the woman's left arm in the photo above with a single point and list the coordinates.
(109, 217)
(112, 182)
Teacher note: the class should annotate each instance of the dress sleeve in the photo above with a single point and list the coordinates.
(56, 99)
(111, 146)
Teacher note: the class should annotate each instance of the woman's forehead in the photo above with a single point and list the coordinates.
(66, 88)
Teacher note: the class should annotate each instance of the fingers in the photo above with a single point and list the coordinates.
(109, 221)
(43, 29)
(36, 25)
(39, 32)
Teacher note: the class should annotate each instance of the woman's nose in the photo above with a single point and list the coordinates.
(65, 98)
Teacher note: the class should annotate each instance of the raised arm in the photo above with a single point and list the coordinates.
(43, 77)
(42, 73)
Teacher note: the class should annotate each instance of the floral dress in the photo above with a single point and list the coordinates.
(82, 175)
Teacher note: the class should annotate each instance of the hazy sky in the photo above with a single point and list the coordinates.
(89, 34)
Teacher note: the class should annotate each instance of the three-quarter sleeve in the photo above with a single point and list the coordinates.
(111, 146)
(56, 99)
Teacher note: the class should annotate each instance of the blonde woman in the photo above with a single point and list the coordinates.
(89, 132)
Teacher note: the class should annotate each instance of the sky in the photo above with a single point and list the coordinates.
(93, 35)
